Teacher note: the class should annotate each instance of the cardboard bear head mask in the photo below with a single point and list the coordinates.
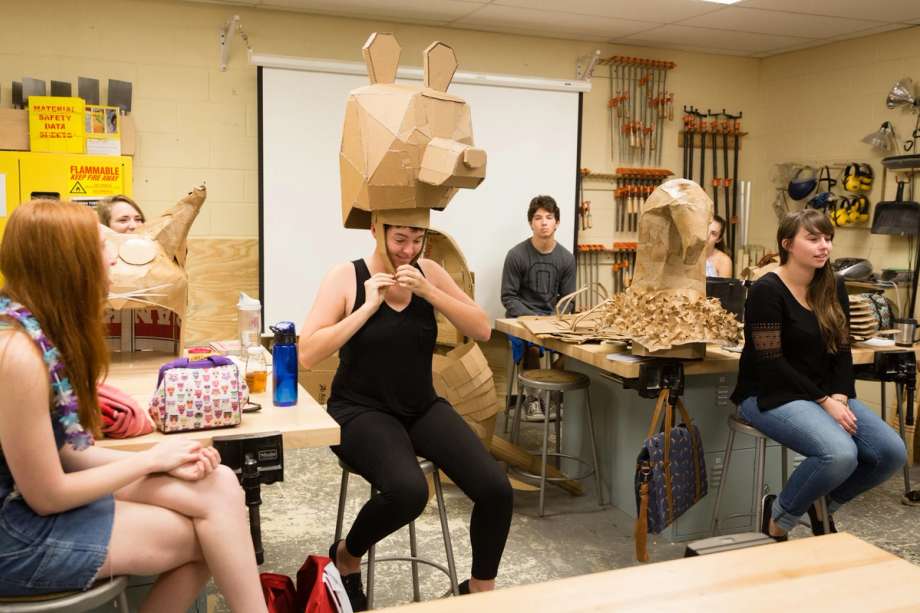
(405, 147)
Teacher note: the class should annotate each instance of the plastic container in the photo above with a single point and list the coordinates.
(284, 364)
(249, 319)
(256, 370)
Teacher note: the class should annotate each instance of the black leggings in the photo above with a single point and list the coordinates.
(382, 448)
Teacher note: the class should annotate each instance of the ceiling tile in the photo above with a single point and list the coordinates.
(423, 11)
(903, 11)
(661, 11)
(779, 23)
(550, 23)
(706, 37)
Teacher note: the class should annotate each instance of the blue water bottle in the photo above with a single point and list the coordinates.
(284, 365)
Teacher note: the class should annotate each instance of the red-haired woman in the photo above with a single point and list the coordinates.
(73, 513)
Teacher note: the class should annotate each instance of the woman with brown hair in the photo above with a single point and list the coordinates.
(120, 213)
(73, 513)
(795, 381)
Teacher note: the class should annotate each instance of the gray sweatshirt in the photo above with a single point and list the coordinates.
(533, 282)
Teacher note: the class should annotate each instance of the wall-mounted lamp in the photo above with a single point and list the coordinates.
(226, 35)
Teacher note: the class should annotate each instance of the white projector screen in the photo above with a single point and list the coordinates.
(530, 136)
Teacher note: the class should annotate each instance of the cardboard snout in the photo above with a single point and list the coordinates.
(448, 163)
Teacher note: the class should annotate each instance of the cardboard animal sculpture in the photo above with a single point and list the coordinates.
(673, 227)
(405, 149)
(666, 304)
(150, 268)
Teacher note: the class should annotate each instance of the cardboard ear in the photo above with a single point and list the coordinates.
(440, 66)
(381, 54)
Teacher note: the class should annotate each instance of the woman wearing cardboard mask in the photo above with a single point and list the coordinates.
(383, 326)
(124, 215)
(795, 381)
(74, 513)
(120, 213)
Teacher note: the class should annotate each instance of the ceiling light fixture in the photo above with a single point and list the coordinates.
(722, 1)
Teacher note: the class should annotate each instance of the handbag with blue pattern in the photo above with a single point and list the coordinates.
(670, 471)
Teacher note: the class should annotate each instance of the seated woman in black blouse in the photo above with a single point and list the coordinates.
(795, 382)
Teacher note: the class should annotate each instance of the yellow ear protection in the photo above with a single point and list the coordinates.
(840, 214)
(852, 177)
(866, 176)
(859, 209)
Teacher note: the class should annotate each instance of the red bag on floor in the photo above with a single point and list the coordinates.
(319, 587)
(280, 595)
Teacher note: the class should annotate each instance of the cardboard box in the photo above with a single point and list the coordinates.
(14, 131)
(318, 383)
(318, 380)
(465, 369)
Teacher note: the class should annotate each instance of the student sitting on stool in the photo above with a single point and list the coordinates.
(796, 385)
(72, 512)
(537, 273)
(383, 326)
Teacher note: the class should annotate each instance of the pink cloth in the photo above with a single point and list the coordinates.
(122, 417)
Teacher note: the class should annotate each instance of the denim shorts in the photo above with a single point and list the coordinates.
(57, 553)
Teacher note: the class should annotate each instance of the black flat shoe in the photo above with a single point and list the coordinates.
(464, 588)
(817, 526)
(766, 514)
(352, 583)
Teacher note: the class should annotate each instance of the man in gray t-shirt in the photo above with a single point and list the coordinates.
(538, 271)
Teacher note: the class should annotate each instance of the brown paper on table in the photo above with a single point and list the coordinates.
(150, 268)
(666, 304)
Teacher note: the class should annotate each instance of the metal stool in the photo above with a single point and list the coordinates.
(428, 467)
(737, 424)
(71, 602)
(548, 380)
(513, 369)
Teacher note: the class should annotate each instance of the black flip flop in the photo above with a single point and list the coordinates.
(766, 514)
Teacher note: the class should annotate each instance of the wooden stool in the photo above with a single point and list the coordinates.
(71, 602)
(737, 424)
(549, 380)
(428, 467)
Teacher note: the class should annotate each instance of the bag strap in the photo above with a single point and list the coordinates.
(695, 447)
(666, 458)
(655, 426)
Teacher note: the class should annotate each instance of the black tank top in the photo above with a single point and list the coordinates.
(386, 364)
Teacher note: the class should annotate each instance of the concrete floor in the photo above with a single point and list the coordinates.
(575, 537)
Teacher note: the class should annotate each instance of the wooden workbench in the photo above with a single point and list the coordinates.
(717, 360)
(304, 425)
(837, 572)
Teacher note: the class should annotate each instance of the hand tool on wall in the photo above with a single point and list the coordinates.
(726, 180)
(714, 129)
(687, 171)
(638, 104)
(735, 125)
(701, 124)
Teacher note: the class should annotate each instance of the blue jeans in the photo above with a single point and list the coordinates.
(836, 465)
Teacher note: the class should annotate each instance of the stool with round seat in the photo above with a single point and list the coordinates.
(428, 468)
(103, 592)
(737, 424)
(547, 381)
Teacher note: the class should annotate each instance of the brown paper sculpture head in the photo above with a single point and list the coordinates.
(405, 149)
(149, 270)
(673, 227)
